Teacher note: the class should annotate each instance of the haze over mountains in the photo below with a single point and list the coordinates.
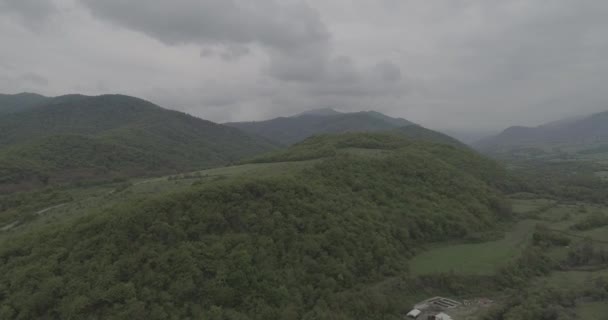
(289, 130)
(73, 137)
(11, 103)
(580, 131)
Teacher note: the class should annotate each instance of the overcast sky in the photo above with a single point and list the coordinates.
(446, 64)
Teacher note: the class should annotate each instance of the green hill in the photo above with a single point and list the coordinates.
(323, 243)
(289, 130)
(13, 103)
(73, 138)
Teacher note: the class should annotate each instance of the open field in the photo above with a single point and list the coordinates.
(572, 279)
(475, 258)
(527, 206)
(597, 233)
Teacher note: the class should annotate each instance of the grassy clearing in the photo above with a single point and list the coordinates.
(597, 234)
(572, 279)
(91, 200)
(526, 206)
(476, 258)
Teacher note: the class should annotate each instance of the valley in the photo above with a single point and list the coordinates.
(303, 160)
(460, 265)
(344, 224)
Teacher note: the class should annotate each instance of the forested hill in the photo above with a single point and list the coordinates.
(581, 132)
(12, 103)
(289, 130)
(322, 243)
(75, 137)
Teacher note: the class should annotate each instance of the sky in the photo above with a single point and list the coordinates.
(445, 64)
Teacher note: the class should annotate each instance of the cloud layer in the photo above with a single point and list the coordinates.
(474, 64)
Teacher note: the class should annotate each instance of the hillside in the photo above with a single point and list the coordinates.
(289, 130)
(13, 103)
(417, 132)
(579, 132)
(330, 241)
(74, 137)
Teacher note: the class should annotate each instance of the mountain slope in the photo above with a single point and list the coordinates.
(48, 143)
(289, 130)
(580, 131)
(312, 246)
(421, 133)
(13, 103)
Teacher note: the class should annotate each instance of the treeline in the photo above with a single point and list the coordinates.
(23, 206)
(529, 299)
(574, 181)
(316, 246)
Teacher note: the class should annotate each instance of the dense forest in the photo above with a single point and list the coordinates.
(316, 245)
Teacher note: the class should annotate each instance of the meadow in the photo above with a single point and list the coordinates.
(474, 258)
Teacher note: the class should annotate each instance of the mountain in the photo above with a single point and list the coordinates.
(75, 137)
(586, 131)
(319, 112)
(333, 241)
(12, 103)
(421, 133)
(289, 130)
(470, 136)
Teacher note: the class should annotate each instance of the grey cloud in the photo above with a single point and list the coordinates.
(227, 53)
(16, 82)
(293, 35)
(32, 13)
(442, 63)
(34, 79)
(296, 38)
(304, 66)
(270, 23)
(388, 71)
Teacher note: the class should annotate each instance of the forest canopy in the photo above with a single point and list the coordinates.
(271, 248)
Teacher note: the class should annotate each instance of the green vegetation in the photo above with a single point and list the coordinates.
(568, 180)
(79, 138)
(592, 221)
(22, 207)
(331, 145)
(290, 130)
(338, 226)
(592, 310)
(474, 258)
(327, 241)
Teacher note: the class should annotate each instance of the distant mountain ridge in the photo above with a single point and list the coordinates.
(318, 112)
(289, 130)
(74, 137)
(581, 131)
(13, 103)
